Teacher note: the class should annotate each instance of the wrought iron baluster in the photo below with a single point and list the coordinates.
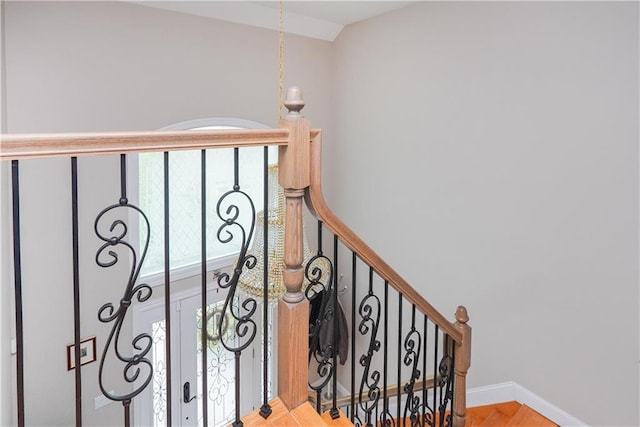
(354, 260)
(377, 413)
(399, 395)
(412, 347)
(441, 381)
(265, 409)
(386, 419)
(320, 286)
(427, 412)
(357, 421)
(451, 393)
(334, 406)
(445, 382)
(17, 277)
(76, 290)
(167, 287)
(370, 311)
(203, 286)
(435, 369)
(137, 367)
(242, 313)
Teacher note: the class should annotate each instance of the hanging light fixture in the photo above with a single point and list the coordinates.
(251, 281)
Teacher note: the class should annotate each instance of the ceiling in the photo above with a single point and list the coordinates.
(317, 19)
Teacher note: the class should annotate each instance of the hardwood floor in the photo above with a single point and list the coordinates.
(507, 414)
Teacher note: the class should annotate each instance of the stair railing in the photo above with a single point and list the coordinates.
(372, 311)
(117, 244)
(370, 316)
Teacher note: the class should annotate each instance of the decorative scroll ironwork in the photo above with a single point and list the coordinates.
(160, 373)
(319, 273)
(386, 419)
(357, 422)
(369, 310)
(242, 313)
(219, 369)
(413, 405)
(445, 383)
(137, 367)
(428, 417)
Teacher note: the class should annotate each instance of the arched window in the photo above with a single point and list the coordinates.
(185, 177)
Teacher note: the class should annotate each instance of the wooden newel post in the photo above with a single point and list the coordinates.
(461, 366)
(293, 309)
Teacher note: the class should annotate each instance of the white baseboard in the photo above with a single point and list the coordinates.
(509, 391)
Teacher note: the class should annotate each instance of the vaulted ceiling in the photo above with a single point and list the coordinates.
(317, 19)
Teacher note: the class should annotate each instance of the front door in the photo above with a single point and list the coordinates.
(186, 360)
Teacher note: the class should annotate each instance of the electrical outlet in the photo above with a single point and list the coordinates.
(102, 400)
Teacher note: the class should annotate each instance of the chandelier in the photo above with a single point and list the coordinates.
(251, 281)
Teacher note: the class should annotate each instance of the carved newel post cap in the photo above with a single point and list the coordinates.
(461, 315)
(294, 101)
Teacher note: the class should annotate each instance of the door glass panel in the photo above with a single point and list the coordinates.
(187, 365)
(158, 335)
(220, 365)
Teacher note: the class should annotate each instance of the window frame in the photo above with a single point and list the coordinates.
(194, 269)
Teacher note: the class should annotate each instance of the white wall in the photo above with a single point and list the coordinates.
(112, 66)
(6, 412)
(6, 389)
(93, 66)
(489, 152)
(510, 128)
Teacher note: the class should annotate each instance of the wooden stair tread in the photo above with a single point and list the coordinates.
(506, 414)
(305, 415)
(343, 421)
(286, 420)
(255, 419)
(280, 417)
(302, 416)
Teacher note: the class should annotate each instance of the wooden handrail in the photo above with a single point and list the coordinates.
(316, 203)
(32, 146)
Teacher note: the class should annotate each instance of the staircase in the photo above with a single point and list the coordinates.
(506, 414)
(383, 345)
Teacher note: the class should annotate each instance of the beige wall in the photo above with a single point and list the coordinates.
(6, 389)
(112, 66)
(93, 66)
(489, 152)
(509, 128)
